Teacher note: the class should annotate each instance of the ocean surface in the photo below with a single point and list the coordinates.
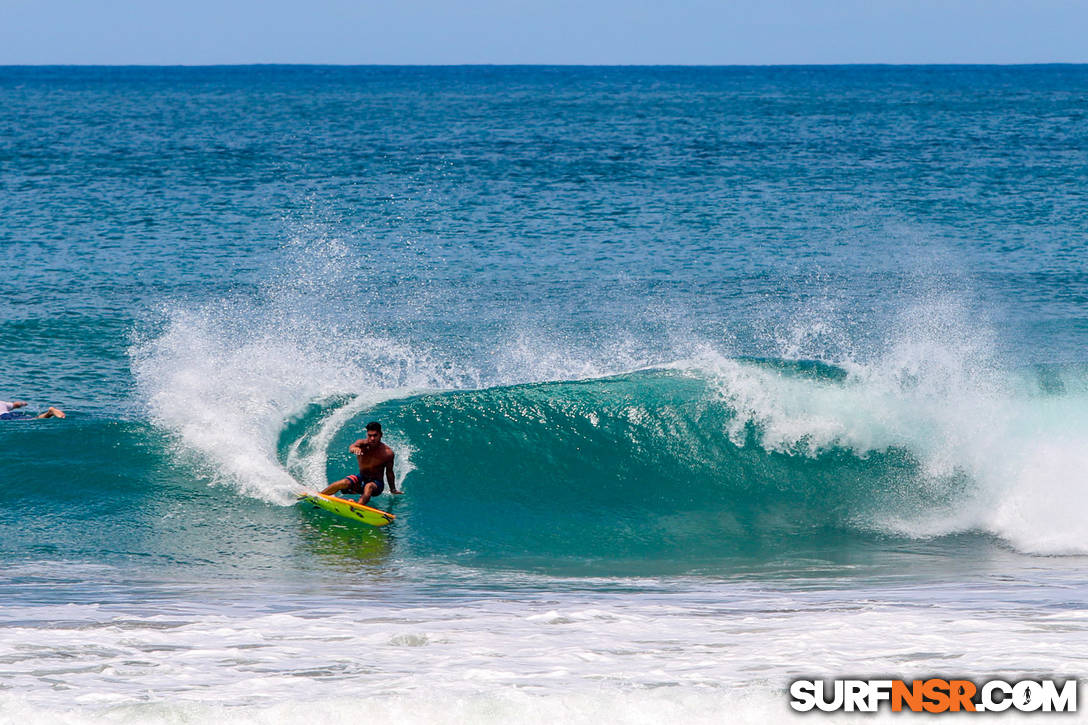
(700, 380)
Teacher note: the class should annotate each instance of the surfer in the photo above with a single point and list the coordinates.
(375, 460)
(8, 411)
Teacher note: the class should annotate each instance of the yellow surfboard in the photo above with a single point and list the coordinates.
(347, 509)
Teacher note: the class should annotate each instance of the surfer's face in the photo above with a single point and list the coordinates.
(372, 437)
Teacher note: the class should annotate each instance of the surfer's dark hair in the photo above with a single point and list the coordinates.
(374, 425)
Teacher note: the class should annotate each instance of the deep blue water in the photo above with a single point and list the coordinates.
(803, 327)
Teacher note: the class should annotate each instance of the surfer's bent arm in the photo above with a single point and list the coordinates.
(390, 477)
(357, 447)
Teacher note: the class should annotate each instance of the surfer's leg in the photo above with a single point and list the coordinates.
(371, 489)
(337, 487)
(53, 413)
(349, 484)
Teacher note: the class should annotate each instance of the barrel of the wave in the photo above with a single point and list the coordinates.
(349, 510)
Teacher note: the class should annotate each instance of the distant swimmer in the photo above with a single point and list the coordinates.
(375, 461)
(8, 411)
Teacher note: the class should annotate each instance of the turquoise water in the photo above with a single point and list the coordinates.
(691, 372)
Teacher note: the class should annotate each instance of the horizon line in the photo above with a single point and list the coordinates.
(867, 64)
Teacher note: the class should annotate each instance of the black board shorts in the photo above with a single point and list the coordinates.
(357, 483)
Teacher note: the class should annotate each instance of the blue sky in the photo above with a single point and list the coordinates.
(725, 32)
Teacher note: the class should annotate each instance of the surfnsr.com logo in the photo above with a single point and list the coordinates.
(934, 695)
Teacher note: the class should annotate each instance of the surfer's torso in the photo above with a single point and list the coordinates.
(373, 460)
